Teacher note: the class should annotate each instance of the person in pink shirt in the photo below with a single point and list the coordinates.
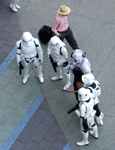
(14, 5)
(61, 27)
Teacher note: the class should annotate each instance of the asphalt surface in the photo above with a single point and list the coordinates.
(34, 116)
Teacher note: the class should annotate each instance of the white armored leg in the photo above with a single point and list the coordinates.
(94, 132)
(26, 72)
(40, 74)
(59, 75)
(68, 79)
(85, 139)
(38, 70)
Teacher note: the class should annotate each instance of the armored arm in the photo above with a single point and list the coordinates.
(39, 50)
(18, 52)
(54, 64)
(63, 52)
(18, 56)
(49, 50)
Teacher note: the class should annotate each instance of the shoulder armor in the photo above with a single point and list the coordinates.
(36, 42)
(18, 45)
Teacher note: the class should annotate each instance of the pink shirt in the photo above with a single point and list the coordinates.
(60, 24)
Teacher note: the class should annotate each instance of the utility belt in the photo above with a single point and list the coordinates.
(28, 60)
(56, 61)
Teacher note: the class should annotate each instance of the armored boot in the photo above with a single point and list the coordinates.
(68, 78)
(26, 75)
(94, 132)
(25, 79)
(40, 74)
(85, 139)
(59, 75)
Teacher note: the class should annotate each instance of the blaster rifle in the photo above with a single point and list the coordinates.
(20, 68)
(73, 109)
(54, 64)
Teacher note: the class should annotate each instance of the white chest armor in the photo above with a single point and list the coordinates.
(28, 51)
(55, 53)
(89, 107)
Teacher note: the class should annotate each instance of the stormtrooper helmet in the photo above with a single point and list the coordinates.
(88, 79)
(78, 57)
(83, 94)
(27, 38)
(54, 41)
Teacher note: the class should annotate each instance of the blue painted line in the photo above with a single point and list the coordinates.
(10, 141)
(7, 61)
(23, 122)
(67, 147)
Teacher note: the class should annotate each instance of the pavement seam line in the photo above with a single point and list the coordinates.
(19, 128)
(23, 122)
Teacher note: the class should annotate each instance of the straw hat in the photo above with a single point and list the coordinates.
(64, 10)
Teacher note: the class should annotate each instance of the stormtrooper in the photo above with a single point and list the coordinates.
(87, 116)
(79, 60)
(28, 52)
(58, 56)
(79, 65)
(14, 5)
(93, 85)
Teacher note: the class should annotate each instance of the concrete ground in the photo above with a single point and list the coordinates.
(34, 116)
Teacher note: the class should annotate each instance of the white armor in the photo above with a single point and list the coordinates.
(87, 114)
(14, 5)
(79, 60)
(90, 82)
(57, 50)
(93, 85)
(87, 98)
(29, 51)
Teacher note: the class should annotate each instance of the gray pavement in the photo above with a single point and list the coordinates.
(93, 25)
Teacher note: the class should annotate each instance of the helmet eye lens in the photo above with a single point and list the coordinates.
(54, 44)
(27, 42)
(75, 60)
